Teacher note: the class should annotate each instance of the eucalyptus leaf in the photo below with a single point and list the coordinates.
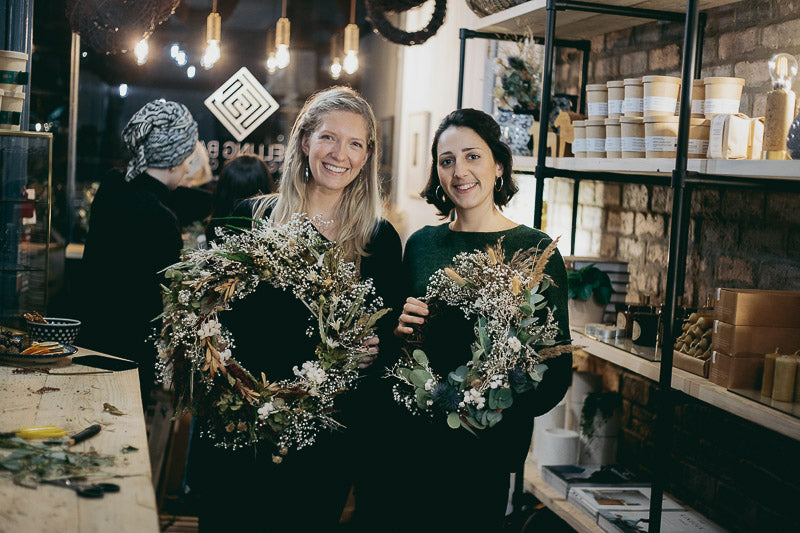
(419, 376)
(493, 417)
(453, 420)
(420, 357)
(504, 398)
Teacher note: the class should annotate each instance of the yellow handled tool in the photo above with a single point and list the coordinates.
(36, 432)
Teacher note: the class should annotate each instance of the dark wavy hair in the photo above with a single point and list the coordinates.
(244, 176)
(488, 130)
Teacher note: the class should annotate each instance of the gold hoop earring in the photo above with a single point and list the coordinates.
(440, 192)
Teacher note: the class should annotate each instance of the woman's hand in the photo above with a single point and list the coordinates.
(413, 312)
(370, 351)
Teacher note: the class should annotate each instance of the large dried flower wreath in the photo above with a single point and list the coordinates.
(236, 408)
(511, 341)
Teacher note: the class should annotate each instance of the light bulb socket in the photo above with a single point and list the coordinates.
(213, 27)
(282, 32)
(351, 38)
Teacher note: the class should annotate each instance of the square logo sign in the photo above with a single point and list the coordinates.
(242, 104)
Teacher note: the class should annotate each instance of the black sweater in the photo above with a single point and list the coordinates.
(309, 488)
(448, 336)
(132, 236)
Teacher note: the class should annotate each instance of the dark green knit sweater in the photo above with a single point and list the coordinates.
(448, 336)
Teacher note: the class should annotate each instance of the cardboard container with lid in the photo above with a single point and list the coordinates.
(579, 142)
(722, 95)
(661, 136)
(13, 70)
(736, 372)
(735, 137)
(596, 137)
(632, 137)
(698, 138)
(698, 98)
(660, 95)
(597, 100)
(752, 307)
(613, 138)
(739, 341)
(616, 97)
(633, 104)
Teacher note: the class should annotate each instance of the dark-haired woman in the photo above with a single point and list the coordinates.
(442, 479)
(244, 176)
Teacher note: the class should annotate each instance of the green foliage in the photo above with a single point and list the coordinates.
(602, 403)
(589, 281)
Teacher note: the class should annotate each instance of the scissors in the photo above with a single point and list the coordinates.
(85, 490)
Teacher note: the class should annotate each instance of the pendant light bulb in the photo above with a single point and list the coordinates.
(351, 48)
(140, 51)
(272, 63)
(213, 33)
(336, 68)
(282, 31)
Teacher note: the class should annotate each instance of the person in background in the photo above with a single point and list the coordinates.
(330, 171)
(435, 478)
(133, 235)
(242, 177)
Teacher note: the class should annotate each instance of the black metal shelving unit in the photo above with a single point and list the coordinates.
(681, 181)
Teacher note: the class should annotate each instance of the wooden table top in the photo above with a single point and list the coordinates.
(76, 405)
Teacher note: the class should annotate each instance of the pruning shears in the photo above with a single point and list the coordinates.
(53, 432)
(36, 432)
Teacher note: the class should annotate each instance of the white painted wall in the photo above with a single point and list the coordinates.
(427, 81)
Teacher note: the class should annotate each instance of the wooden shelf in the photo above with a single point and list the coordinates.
(573, 516)
(696, 387)
(785, 170)
(531, 17)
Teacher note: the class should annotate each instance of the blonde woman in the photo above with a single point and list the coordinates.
(330, 171)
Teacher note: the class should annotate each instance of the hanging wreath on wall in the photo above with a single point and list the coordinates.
(376, 14)
(113, 26)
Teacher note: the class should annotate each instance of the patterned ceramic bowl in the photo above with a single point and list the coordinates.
(63, 330)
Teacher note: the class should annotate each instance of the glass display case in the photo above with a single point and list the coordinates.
(25, 212)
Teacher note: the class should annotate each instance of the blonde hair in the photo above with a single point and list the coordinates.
(360, 206)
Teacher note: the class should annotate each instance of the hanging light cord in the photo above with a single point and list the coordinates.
(283, 9)
(214, 6)
(352, 11)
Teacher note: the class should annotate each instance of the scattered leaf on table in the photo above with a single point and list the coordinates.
(129, 449)
(111, 409)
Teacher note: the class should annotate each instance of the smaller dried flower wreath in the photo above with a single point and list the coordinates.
(235, 408)
(511, 342)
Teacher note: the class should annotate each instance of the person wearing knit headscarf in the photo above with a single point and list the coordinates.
(134, 235)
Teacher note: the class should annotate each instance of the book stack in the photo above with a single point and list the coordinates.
(619, 501)
(564, 477)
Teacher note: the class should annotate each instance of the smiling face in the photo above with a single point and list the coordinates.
(467, 170)
(337, 150)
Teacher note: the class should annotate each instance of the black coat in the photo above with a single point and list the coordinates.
(133, 235)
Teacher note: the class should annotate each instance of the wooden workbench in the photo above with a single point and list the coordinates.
(76, 405)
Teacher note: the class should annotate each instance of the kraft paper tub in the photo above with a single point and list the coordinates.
(13, 70)
(633, 104)
(579, 142)
(698, 138)
(597, 100)
(722, 96)
(616, 96)
(596, 137)
(698, 98)
(632, 137)
(661, 136)
(11, 110)
(660, 95)
(613, 138)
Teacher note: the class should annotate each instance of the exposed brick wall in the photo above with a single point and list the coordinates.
(737, 238)
(735, 472)
(739, 474)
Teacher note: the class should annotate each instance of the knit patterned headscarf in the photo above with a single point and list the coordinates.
(162, 134)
